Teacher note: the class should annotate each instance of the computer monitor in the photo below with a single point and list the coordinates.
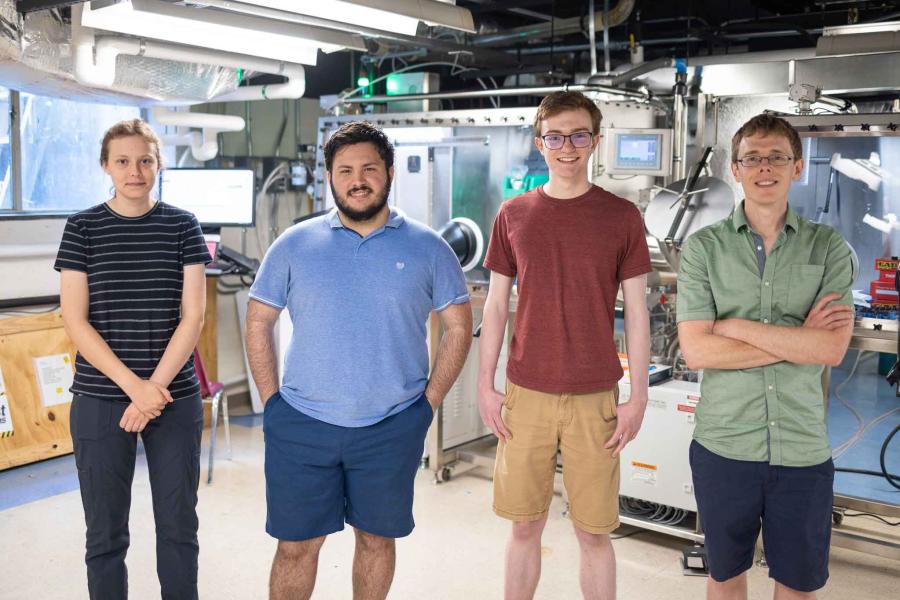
(217, 197)
(638, 151)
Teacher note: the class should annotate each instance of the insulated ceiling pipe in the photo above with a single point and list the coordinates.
(204, 145)
(291, 89)
(88, 69)
(618, 14)
(101, 72)
(108, 48)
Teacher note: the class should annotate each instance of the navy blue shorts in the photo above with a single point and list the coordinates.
(792, 504)
(319, 475)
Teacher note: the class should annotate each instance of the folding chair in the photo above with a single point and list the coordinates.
(213, 393)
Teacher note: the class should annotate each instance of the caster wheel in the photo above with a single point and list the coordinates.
(446, 473)
(837, 518)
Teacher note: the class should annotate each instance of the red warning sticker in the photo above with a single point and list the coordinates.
(686, 408)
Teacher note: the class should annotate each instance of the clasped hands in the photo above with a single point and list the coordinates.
(148, 399)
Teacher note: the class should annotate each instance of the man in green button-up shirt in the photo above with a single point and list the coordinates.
(764, 303)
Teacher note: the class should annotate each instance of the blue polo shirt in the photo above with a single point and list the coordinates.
(359, 306)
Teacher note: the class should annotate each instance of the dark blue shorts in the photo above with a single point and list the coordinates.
(319, 475)
(792, 504)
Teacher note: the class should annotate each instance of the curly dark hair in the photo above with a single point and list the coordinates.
(359, 132)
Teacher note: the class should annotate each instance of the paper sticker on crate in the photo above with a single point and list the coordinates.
(54, 376)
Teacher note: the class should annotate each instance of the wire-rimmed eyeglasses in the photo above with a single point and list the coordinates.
(775, 160)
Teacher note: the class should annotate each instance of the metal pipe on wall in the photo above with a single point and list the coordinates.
(700, 138)
(679, 137)
(680, 117)
(607, 66)
(592, 35)
(666, 41)
(647, 67)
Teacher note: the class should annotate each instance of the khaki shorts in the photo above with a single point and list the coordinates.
(578, 425)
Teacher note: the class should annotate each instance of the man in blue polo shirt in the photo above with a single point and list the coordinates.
(345, 431)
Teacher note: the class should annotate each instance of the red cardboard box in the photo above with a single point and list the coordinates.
(887, 268)
(883, 292)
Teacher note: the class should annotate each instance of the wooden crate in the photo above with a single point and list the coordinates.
(39, 431)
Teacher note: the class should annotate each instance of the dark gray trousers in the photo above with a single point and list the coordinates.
(105, 457)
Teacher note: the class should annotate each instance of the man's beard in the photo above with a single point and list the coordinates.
(366, 213)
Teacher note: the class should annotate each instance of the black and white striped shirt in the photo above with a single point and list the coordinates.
(135, 271)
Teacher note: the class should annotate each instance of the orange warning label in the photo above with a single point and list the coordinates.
(686, 408)
(693, 398)
(641, 465)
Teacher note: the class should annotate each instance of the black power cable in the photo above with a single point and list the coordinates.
(863, 472)
(865, 514)
(892, 479)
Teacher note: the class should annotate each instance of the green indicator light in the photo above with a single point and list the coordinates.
(392, 86)
(362, 82)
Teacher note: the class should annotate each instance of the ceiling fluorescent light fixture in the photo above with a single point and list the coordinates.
(206, 28)
(398, 16)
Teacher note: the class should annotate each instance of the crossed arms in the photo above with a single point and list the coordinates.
(742, 344)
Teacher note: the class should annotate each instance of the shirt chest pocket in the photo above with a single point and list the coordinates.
(803, 283)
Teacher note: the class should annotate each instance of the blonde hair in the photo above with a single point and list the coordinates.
(128, 128)
(766, 124)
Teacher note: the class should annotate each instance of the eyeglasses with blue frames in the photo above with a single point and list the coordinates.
(775, 160)
(579, 139)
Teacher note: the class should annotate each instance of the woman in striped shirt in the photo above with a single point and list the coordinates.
(133, 297)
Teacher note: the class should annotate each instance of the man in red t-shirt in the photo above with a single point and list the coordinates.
(570, 244)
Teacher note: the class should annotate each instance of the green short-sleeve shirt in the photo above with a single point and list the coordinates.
(775, 413)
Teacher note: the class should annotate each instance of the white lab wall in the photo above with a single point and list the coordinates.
(27, 251)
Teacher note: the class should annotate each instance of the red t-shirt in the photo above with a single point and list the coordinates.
(570, 257)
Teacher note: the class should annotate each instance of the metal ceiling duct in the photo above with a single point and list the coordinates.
(857, 39)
